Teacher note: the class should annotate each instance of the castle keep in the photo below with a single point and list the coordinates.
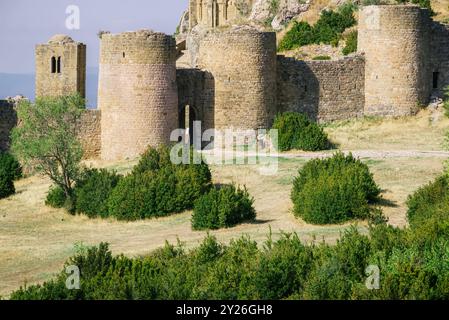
(232, 77)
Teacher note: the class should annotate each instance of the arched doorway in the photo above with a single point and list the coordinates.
(187, 115)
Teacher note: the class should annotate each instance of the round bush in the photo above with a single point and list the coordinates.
(423, 204)
(92, 192)
(56, 197)
(296, 131)
(6, 186)
(153, 159)
(10, 166)
(333, 190)
(223, 207)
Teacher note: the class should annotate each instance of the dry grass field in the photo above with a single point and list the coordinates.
(36, 240)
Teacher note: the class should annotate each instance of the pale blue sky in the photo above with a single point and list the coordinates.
(24, 23)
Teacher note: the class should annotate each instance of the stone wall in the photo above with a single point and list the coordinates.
(324, 90)
(242, 67)
(137, 92)
(195, 89)
(216, 13)
(89, 132)
(8, 120)
(71, 77)
(440, 57)
(396, 43)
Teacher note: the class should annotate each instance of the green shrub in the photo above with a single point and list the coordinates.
(153, 159)
(6, 185)
(93, 190)
(56, 197)
(351, 43)
(285, 269)
(296, 131)
(223, 207)
(427, 199)
(426, 4)
(301, 34)
(333, 190)
(171, 189)
(322, 58)
(10, 166)
(328, 29)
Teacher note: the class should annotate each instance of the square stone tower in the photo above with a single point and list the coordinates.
(60, 67)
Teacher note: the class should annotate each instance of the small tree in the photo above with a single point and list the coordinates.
(46, 141)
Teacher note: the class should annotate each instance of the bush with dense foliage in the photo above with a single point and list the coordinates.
(93, 190)
(282, 269)
(56, 197)
(157, 187)
(6, 185)
(334, 190)
(10, 166)
(426, 4)
(296, 131)
(223, 207)
(427, 200)
(328, 29)
(10, 170)
(351, 43)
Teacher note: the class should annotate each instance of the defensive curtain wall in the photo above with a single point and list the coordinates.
(237, 80)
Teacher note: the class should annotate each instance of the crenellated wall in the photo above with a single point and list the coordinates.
(324, 90)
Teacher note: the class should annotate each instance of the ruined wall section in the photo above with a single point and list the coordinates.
(137, 93)
(395, 40)
(440, 57)
(89, 133)
(8, 120)
(324, 90)
(242, 66)
(70, 76)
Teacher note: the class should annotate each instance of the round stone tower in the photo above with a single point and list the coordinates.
(395, 40)
(137, 92)
(242, 64)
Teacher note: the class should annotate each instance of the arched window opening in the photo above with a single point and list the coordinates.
(53, 65)
(59, 65)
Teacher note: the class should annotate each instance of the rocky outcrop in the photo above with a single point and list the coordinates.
(264, 11)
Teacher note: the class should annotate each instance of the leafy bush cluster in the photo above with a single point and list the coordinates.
(10, 170)
(328, 29)
(334, 190)
(422, 3)
(296, 131)
(223, 207)
(427, 201)
(351, 43)
(156, 187)
(413, 264)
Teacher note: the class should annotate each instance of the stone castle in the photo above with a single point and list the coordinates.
(232, 77)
